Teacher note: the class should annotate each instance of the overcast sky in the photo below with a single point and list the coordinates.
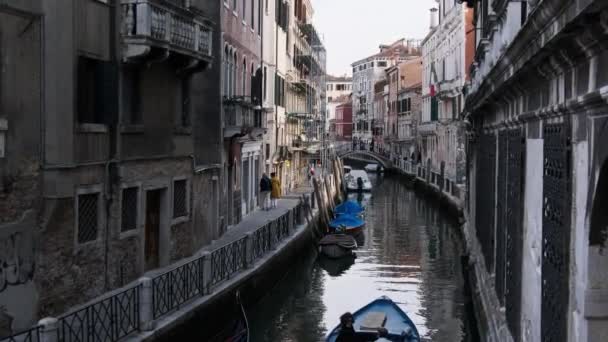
(353, 29)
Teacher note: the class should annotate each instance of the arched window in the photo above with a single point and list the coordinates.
(251, 79)
(234, 71)
(225, 71)
(598, 234)
(244, 78)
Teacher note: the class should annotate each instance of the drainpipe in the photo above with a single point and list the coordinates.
(111, 170)
(276, 71)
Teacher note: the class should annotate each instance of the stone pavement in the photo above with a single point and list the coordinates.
(258, 219)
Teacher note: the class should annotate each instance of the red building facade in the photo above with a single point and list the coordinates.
(344, 121)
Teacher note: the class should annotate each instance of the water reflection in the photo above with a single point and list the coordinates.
(411, 254)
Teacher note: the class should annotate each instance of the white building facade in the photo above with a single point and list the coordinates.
(368, 71)
(443, 79)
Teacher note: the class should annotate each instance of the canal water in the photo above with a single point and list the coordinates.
(411, 253)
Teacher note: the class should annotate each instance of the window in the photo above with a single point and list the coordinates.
(234, 73)
(244, 10)
(282, 15)
(226, 68)
(180, 200)
(244, 78)
(88, 217)
(329, 99)
(382, 64)
(131, 99)
(96, 85)
(186, 104)
(279, 91)
(265, 85)
(129, 209)
(234, 5)
(253, 14)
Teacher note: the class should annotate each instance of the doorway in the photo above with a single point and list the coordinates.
(152, 229)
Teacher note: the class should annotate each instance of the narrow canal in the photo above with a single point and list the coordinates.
(411, 253)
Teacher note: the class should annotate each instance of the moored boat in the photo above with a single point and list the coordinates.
(349, 208)
(357, 180)
(337, 245)
(347, 223)
(384, 314)
(373, 168)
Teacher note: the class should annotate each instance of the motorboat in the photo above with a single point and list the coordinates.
(346, 224)
(373, 168)
(349, 208)
(357, 180)
(381, 313)
(337, 246)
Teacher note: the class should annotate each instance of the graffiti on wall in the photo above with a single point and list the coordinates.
(18, 294)
(16, 260)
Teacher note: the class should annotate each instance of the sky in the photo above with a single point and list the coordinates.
(353, 29)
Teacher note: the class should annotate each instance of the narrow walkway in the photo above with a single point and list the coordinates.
(258, 219)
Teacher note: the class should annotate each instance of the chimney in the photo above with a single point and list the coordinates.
(434, 17)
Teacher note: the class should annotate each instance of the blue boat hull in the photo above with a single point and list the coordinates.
(400, 327)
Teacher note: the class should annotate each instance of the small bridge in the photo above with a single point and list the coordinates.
(385, 162)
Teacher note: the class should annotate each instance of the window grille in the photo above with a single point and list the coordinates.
(180, 207)
(87, 217)
(129, 209)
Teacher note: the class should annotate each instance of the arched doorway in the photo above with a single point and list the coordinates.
(596, 296)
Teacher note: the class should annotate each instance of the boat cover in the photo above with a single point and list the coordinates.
(347, 221)
(349, 207)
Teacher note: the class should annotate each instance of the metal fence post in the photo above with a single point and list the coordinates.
(274, 228)
(248, 250)
(146, 307)
(49, 329)
(207, 271)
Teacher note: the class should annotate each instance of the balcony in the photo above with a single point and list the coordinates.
(156, 29)
(243, 118)
(427, 128)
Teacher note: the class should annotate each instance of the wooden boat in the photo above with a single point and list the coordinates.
(349, 208)
(347, 223)
(382, 313)
(337, 245)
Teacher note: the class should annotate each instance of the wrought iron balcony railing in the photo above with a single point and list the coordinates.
(164, 25)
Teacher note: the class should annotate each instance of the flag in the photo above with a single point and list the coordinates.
(433, 80)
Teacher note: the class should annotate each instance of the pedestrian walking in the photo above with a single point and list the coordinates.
(275, 193)
(265, 188)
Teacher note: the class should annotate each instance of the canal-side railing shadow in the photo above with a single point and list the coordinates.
(135, 308)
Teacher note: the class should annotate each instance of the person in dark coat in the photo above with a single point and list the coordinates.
(265, 188)
(348, 334)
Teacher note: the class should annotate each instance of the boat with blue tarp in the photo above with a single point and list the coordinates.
(380, 320)
(349, 208)
(347, 223)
